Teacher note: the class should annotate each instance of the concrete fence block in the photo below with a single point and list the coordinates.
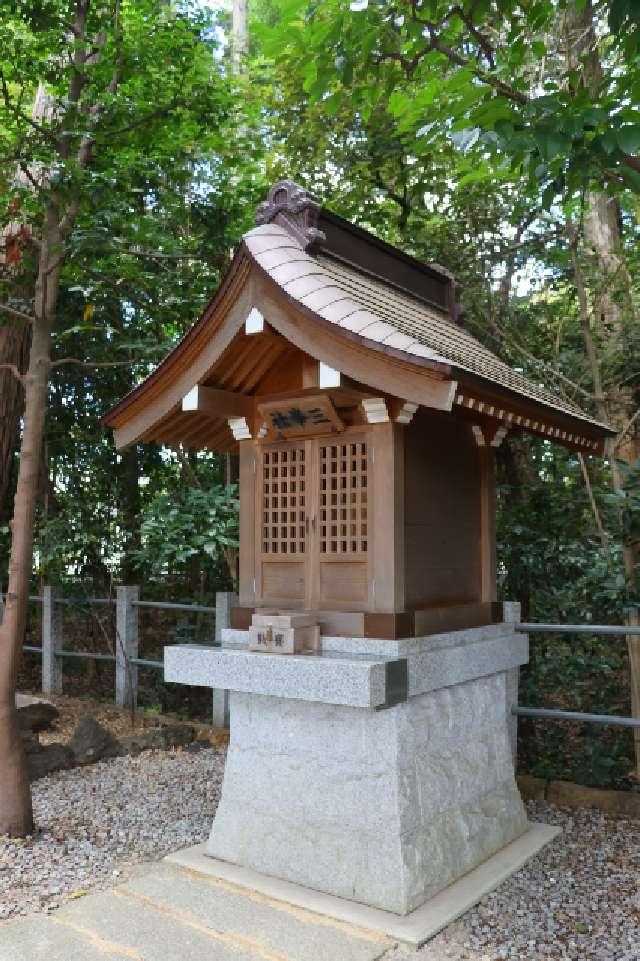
(225, 600)
(51, 640)
(126, 646)
(511, 612)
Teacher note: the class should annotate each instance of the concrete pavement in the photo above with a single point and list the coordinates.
(168, 913)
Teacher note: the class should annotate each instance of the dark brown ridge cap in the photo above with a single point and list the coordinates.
(318, 229)
(183, 344)
(432, 270)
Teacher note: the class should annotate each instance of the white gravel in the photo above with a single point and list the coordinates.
(579, 899)
(96, 821)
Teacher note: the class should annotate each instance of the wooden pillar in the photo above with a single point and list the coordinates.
(248, 468)
(386, 517)
(487, 524)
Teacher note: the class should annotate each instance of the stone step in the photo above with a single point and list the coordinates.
(168, 913)
(289, 932)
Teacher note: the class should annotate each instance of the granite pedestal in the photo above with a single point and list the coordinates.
(381, 776)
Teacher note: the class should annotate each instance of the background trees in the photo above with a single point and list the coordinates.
(499, 138)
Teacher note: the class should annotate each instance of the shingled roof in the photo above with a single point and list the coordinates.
(332, 290)
(384, 314)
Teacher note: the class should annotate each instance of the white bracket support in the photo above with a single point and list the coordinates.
(239, 428)
(478, 433)
(254, 324)
(375, 410)
(406, 412)
(328, 376)
(489, 436)
(499, 436)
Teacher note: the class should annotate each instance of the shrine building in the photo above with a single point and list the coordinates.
(375, 763)
(366, 418)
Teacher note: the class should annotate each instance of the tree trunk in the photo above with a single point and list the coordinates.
(16, 816)
(239, 33)
(14, 349)
(130, 509)
(611, 302)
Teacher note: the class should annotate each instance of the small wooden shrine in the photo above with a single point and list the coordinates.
(375, 762)
(366, 418)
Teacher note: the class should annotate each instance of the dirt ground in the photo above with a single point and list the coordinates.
(115, 719)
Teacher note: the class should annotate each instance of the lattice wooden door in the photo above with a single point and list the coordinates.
(313, 527)
(283, 523)
(343, 530)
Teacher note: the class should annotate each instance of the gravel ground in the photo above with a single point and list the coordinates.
(97, 821)
(578, 900)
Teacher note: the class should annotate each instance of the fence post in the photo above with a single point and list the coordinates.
(126, 646)
(225, 600)
(512, 614)
(51, 641)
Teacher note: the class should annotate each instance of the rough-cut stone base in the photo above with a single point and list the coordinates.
(386, 808)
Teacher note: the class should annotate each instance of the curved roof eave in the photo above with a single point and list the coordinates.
(317, 294)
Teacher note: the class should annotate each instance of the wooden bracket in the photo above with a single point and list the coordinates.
(405, 413)
(375, 410)
(489, 435)
(217, 403)
(239, 428)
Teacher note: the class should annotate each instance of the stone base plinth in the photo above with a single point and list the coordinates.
(383, 807)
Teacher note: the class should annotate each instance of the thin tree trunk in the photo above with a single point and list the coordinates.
(16, 815)
(14, 349)
(239, 33)
(611, 300)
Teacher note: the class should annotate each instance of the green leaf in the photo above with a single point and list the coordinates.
(628, 138)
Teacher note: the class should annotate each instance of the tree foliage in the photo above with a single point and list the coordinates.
(500, 139)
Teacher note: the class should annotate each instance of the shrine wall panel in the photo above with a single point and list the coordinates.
(283, 582)
(344, 582)
(443, 560)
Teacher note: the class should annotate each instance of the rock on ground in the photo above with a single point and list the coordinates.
(37, 716)
(95, 821)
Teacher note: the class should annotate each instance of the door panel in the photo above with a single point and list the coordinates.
(343, 533)
(313, 510)
(281, 575)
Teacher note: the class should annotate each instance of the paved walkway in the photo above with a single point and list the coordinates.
(169, 913)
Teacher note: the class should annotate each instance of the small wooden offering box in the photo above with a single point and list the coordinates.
(280, 633)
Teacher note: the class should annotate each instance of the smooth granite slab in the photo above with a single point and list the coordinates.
(348, 680)
(433, 662)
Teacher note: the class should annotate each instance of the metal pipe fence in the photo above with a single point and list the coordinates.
(551, 714)
(125, 653)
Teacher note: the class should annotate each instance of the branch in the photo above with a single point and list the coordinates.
(15, 109)
(158, 112)
(435, 43)
(604, 537)
(19, 314)
(541, 363)
(157, 255)
(93, 364)
(625, 430)
(13, 370)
